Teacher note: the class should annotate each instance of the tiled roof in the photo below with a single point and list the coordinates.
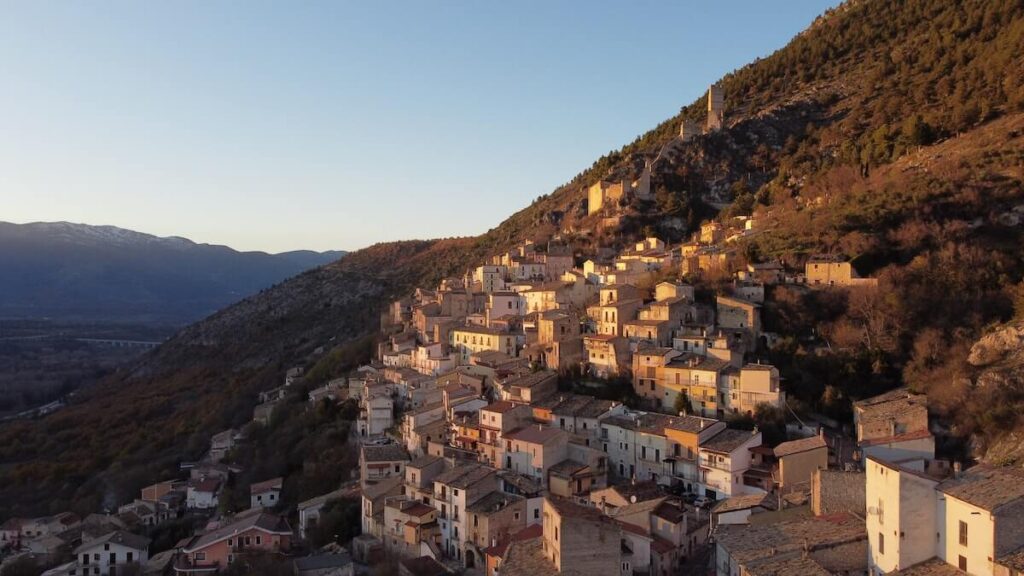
(671, 511)
(464, 475)
(493, 502)
(743, 502)
(264, 522)
(266, 486)
(526, 558)
(785, 566)
(499, 407)
(133, 541)
(727, 440)
(385, 453)
(986, 487)
(382, 487)
(689, 423)
(801, 445)
(530, 380)
(566, 468)
(205, 485)
(531, 532)
(569, 509)
(933, 567)
(424, 461)
(890, 404)
(537, 434)
(424, 566)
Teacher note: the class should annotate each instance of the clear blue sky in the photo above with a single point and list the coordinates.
(334, 125)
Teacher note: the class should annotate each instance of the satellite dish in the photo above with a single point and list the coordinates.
(633, 498)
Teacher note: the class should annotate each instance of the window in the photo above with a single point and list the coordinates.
(85, 559)
(199, 556)
(129, 557)
(963, 563)
(516, 515)
(556, 533)
(396, 468)
(963, 533)
(536, 514)
(106, 547)
(113, 558)
(881, 543)
(259, 540)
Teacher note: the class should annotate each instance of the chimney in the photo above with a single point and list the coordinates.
(957, 469)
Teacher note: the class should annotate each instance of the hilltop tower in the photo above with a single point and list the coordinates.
(716, 108)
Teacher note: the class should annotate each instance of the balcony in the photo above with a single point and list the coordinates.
(724, 466)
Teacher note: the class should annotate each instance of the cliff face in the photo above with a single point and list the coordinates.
(998, 358)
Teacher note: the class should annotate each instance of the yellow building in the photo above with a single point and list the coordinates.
(602, 193)
(825, 270)
(468, 340)
(799, 459)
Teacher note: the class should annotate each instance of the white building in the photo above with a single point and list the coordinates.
(723, 460)
(110, 554)
(971, 520)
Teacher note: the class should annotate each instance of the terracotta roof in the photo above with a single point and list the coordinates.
(670, 511)
(633, 528)
(263, 522)
(499, 407)
(205, 485)
(266, 486)
(529, 533)
(801, 445)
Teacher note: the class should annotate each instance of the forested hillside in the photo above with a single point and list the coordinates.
(888, 131)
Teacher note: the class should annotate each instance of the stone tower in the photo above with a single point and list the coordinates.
(687, 130)
(716, 108)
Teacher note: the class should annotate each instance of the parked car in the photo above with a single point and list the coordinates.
(703, 502)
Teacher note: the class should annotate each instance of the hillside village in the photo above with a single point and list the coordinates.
(495, 437)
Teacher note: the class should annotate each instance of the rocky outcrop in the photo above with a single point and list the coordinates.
(1002, 344)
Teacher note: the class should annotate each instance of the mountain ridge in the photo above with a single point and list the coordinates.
(78, 271)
